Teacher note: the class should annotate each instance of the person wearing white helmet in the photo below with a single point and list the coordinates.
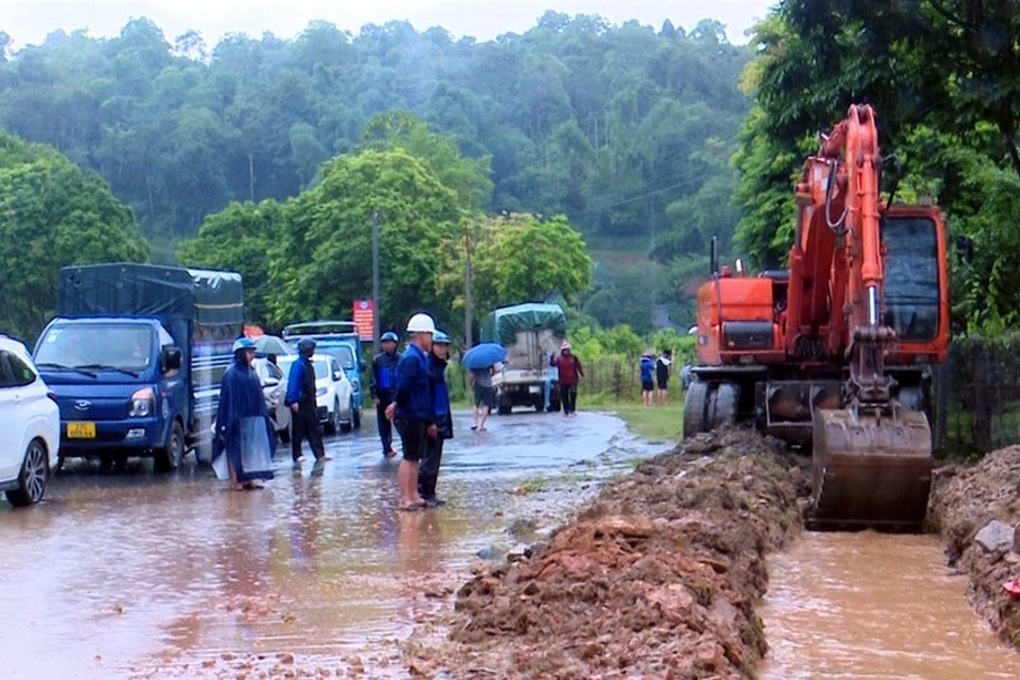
(412, 406)
(243, 429)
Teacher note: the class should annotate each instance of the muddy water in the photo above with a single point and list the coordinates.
(135, 574)
(869, 605)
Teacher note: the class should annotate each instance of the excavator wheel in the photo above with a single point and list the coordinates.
(695, 404)
(871, 469)
(709, 405)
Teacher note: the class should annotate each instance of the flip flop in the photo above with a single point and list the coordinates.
(409, 508)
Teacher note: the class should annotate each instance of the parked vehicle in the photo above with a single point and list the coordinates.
(341, 340)
(531, 333)
(135, 356)
(30, 422)
(274, 388)
(332, 391)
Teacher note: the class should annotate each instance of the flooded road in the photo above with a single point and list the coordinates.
(867, 605)
(134, 574)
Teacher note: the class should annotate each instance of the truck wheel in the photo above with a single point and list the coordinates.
(355, 417)
(554, 402)
(506, 405)
(169, 457)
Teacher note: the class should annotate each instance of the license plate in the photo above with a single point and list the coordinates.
(535, 389)
(81, 430)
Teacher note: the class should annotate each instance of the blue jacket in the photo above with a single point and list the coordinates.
(414, 386)
(295, 381)
(441, 397)
(647, 368)
(384, 375)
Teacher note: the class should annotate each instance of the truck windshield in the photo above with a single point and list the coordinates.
(343, 354)
(118, 347)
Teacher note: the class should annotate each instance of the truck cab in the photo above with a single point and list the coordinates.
(341, 340)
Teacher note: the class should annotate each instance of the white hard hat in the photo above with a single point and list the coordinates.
(421, 323)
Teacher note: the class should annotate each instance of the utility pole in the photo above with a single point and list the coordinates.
(375, 283)
(468, 301)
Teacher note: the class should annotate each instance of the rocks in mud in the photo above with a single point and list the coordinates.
(976, 509)
(996, 536)
(657, 577)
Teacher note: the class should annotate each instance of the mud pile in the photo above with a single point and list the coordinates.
(976, 509)
(657, 577)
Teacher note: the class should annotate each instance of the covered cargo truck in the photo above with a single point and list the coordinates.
(135, 356)
(531, 333)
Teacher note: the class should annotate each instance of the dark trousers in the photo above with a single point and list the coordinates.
(428, 469)
(568, 395)
(384, 424)
(305, 425)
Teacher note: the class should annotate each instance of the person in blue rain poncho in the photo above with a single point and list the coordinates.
(244, 431)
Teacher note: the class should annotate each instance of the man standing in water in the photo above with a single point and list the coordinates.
(384, 383)
(428, 473)
(412, 404)
(304, 421)
(243, 427)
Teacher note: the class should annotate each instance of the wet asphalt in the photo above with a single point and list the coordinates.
(119, 572)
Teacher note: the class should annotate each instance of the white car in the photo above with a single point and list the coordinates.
(30, 423)
(333, 391)
(274, 388)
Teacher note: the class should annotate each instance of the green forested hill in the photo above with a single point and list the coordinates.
(626, 129)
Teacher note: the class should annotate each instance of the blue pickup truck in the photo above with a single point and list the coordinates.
(341, 339)
(135, 356)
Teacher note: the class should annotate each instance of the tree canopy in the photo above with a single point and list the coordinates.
(52, 214)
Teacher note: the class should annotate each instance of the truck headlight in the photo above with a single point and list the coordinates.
(320, 392)
(143, 403)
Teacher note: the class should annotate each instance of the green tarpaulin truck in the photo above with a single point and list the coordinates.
(530, 333)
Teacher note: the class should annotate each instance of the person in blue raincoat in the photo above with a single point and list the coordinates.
(428, 470)
(243, 429)
(647, 376)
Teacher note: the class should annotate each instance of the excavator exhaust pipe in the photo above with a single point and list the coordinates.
(871, 469)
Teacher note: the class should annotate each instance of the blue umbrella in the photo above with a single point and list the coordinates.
(483, 356)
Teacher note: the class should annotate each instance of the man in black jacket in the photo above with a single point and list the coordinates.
(383, 387)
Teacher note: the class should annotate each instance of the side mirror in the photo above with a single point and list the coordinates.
(170, 358)
(337, 375)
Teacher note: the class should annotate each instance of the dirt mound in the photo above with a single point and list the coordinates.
(657, 577)
(976, 510)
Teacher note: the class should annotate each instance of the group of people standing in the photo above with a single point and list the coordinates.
(655, 374)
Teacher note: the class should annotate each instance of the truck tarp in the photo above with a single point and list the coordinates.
(502, 325)
(211, 298)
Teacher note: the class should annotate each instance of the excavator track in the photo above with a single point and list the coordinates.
(871, 469)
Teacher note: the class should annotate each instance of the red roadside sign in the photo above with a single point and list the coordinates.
(364, 319)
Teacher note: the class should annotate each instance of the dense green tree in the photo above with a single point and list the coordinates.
(51, 215)
(244, 238)
(326, 257)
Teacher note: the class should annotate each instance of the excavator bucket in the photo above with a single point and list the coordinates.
(871, 469)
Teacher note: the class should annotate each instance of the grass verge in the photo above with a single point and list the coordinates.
(657, 424)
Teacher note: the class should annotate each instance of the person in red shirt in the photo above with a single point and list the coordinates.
(570, 371)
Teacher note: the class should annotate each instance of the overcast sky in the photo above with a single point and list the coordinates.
(29, 21)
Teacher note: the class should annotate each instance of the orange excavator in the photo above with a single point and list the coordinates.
(834, 354)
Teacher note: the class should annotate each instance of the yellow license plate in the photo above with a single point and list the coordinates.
(81, 430)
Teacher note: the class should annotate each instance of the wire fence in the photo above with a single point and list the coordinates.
(977, 396)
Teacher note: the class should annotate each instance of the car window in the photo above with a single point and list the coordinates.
(15, 372)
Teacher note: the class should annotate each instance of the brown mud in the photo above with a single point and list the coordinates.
(658, 576)
(976, 510)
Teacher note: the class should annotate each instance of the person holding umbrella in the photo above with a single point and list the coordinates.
(383, 385)
(480, 361)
